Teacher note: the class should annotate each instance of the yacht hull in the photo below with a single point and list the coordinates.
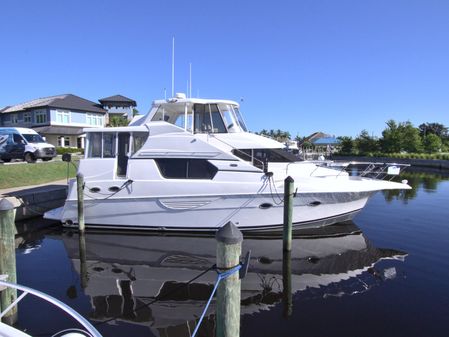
(208, 213)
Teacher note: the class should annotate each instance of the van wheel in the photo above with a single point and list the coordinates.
(29, 158)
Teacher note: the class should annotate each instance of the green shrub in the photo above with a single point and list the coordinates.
(62, 150)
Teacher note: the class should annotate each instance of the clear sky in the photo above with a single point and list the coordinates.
(337, 66)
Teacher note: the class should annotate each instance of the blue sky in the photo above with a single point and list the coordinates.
(337, 66)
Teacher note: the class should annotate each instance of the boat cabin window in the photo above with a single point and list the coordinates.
(104, 144)
(139, 138)
(206, 118)
(177, 168)
(258, 156)
(109, 144)
(94, 146)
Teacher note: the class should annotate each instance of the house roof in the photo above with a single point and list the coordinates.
(66, 101)
(59, 130)
(326, 141)
(118, 99)
(317, 135)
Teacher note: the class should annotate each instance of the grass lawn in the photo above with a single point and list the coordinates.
(34, 174)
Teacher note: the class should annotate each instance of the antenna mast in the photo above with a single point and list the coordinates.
(173, 69)
(190, 81)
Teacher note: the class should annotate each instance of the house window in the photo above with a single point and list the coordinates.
(41, 117)
(63, 116)
(64, 141)
(14, 119)
(94, 119)
(27, 117)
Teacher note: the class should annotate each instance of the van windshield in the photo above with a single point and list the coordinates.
(33, 138)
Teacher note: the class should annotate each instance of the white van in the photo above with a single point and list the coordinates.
(26, 144)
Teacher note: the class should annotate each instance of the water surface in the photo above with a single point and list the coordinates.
(386, 273)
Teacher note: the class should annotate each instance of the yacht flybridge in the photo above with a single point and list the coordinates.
(191, 164)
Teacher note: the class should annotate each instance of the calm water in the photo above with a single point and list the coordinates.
(385, 274)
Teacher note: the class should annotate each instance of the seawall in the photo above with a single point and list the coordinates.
(425, 163)
(35, 201)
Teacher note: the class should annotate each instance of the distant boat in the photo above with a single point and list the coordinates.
(191, 164)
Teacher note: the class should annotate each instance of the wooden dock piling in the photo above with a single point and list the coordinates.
(287, 283)
(288, 213)
(80, 192)
(229, 248)
(8, 256)
(83, 261)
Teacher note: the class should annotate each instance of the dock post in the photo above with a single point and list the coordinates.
(83, 262)
(287, 283)
(8, 257)
(288, 213)
(80, 190)
(229, 247)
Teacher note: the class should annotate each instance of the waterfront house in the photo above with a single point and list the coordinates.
(62, 118)
(118, 105)
(319, 143)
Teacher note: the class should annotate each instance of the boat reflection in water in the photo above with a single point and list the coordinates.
(144, 278)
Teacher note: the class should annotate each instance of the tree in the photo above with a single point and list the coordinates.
(118, 121)
(432, 143)
(390, 141)
(279, 135)
(435, 128)
(410, 139)
(399, 137)
(298, 138)
(346, 145)
(263, 133)
(366, 144)
(307, 144)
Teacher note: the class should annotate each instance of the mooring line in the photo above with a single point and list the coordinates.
(221, 276)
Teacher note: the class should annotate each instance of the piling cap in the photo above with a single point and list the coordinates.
(229, 234)
(9, 203)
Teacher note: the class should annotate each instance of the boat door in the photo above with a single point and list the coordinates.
(123, 153)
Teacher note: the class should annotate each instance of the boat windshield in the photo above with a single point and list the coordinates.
(202, 118)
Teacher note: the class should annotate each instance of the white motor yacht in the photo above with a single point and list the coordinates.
(191, 164)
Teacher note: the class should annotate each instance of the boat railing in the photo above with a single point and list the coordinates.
(374, 170)
(89, 329)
